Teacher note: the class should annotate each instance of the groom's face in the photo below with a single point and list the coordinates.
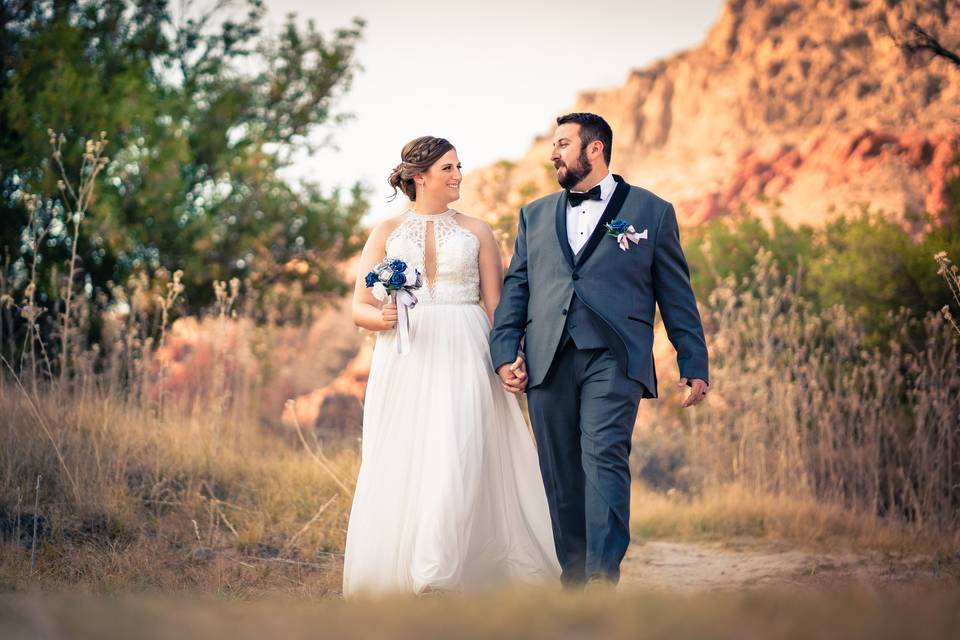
(570, 156)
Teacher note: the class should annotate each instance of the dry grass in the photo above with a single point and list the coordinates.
(215, 503)
(142, 461)
(732, 511)
(203, 501)
(158, 473)
(803, 408)
(145, 486)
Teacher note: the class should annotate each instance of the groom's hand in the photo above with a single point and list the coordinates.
(513, 376)
(698, 391)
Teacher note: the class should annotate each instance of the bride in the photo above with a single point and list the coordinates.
(449, 495)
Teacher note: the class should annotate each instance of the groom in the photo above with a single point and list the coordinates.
(582, 304)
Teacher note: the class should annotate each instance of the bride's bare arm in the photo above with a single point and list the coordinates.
(491, 268)
(367, 312)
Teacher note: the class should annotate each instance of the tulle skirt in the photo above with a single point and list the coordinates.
(449, 494)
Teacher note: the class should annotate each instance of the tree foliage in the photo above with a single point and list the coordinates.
(869, 264)
(203, 110)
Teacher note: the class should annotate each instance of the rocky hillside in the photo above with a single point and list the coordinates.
(805, 107)
(808, 107)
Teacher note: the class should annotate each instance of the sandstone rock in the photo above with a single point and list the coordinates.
(335, 408)
(799, 108)
(204, 361)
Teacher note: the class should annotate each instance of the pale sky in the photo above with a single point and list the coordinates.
(488, 76)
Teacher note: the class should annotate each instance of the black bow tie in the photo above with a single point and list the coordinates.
(576, 198)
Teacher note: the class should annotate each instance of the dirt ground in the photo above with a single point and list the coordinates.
(690, 567)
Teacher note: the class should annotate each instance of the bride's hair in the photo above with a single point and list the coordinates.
(416, 157)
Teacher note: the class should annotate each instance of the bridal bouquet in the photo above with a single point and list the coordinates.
(392, 277)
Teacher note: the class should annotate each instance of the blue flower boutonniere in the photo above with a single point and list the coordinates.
(624, 232)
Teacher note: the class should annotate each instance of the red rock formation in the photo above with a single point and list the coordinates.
(351, 384)
(801, 108)
(804, 108)
(758, 180)
(204, 362)
(212, 360)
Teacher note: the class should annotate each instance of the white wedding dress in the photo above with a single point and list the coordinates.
(449, 495)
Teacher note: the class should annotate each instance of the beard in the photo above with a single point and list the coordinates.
(577, 173)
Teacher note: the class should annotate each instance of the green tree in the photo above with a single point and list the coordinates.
(866, 263)
(872, 265)
(202, 111)
(729, 246)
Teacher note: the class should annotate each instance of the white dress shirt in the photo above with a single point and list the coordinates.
(583, 219)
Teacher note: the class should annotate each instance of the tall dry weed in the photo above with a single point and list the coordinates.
(145, 451)
(801, 406)
(951, 274)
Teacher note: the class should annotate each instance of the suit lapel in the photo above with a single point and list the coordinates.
(561, 215)
(611, 211)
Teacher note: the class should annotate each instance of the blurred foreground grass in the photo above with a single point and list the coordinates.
(847, 613)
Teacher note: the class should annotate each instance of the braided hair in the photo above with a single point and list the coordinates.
(417, 157)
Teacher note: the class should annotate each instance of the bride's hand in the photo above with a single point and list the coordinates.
(389, 315)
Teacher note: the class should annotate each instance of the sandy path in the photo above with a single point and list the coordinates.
(691, 567)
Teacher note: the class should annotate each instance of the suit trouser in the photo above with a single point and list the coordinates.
(583, 415)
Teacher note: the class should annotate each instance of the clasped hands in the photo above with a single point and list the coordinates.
(513, 378)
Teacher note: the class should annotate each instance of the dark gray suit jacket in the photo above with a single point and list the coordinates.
(621, 287)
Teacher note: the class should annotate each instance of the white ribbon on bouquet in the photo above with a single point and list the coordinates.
(632, 235)
(404, 301)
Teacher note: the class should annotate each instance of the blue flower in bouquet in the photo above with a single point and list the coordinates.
(398, 280)
(392, 275)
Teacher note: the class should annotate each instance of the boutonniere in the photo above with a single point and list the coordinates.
(623, 231)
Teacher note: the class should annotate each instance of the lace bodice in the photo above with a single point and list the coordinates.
(457, 279)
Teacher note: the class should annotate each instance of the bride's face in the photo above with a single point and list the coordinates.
(442, 179)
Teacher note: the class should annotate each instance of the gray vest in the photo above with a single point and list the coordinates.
(590, 331)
